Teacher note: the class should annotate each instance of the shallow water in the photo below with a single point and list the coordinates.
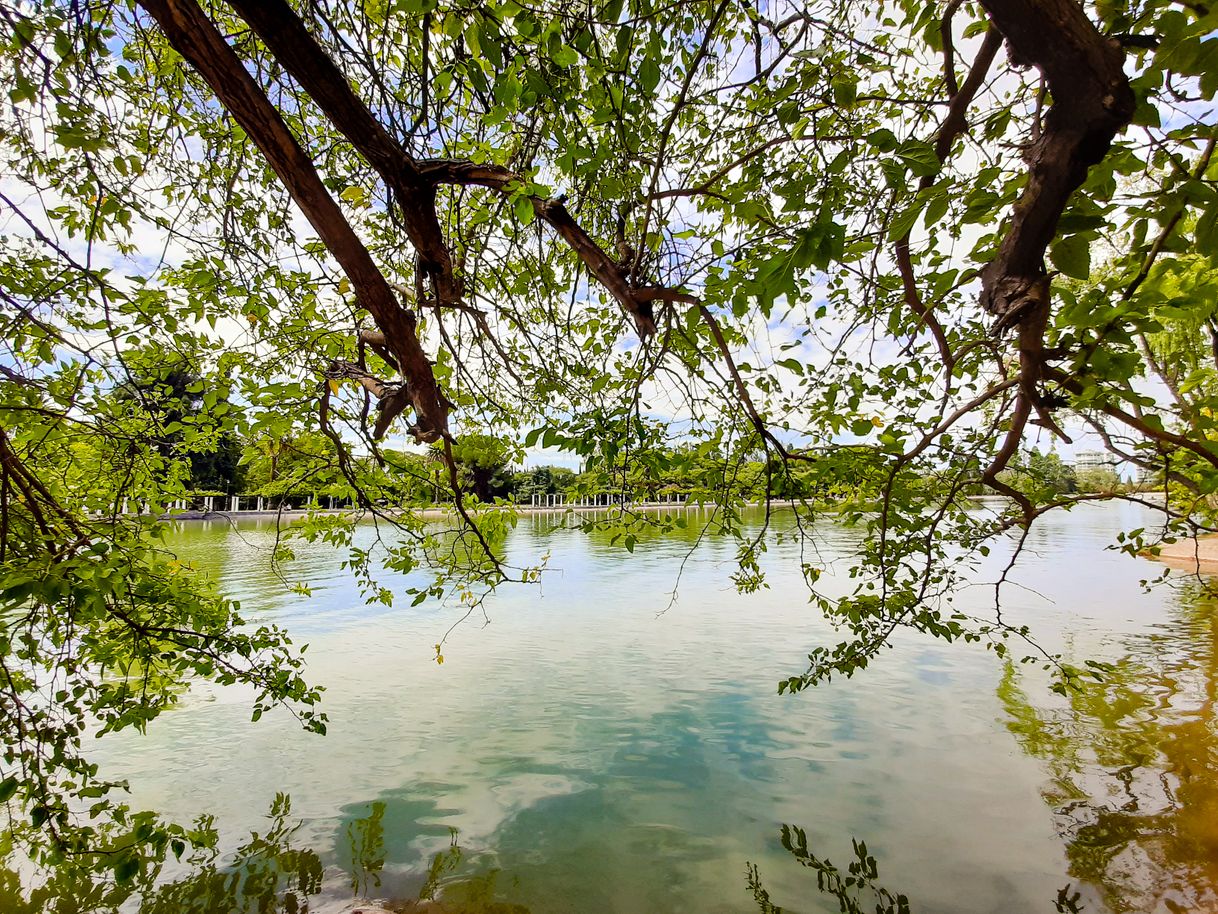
(593, 749)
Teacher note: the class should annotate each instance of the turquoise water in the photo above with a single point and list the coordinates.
(600, 747)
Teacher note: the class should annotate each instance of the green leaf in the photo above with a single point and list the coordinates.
(1072, 255)
(564, 56)
(649, 74)
(903, 222)
(845, 91)
(919, 157)
(125, 868)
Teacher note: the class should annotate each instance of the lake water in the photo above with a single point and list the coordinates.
(594, 749)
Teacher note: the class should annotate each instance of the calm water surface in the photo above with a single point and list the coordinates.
(588, 751)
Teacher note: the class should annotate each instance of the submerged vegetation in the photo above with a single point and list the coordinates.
(767, 250)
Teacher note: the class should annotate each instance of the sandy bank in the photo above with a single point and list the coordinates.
(1199, 554)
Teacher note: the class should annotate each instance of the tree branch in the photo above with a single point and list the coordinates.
(1092, 101)
(414, 182)
(953, 125)
(196, 38)
(293, 46)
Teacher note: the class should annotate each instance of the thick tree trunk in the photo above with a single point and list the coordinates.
(1092, 102)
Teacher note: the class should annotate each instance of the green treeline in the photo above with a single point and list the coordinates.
(214, 448)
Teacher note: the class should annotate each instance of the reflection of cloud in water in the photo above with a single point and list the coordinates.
(557, 833)
(583, 710)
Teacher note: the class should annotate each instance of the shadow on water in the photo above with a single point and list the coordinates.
(1133, 765)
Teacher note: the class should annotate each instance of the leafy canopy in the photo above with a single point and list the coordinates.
(899, 244)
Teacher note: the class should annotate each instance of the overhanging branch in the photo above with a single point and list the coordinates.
(196, 38)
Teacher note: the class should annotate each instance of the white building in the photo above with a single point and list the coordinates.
(1094, 460)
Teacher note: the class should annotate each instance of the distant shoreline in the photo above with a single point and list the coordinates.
(440, 513)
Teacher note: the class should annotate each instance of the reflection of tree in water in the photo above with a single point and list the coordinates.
(1134, 766)
(268, 877)
(266, 874)
(855, 890)
(366, 843)
(476, 894)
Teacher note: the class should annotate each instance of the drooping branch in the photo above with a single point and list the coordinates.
(742, 390)
(953, 125)
(195, 37)
(1154, 431)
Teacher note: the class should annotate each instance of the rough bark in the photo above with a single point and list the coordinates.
(193, 35)
(1092, 102)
